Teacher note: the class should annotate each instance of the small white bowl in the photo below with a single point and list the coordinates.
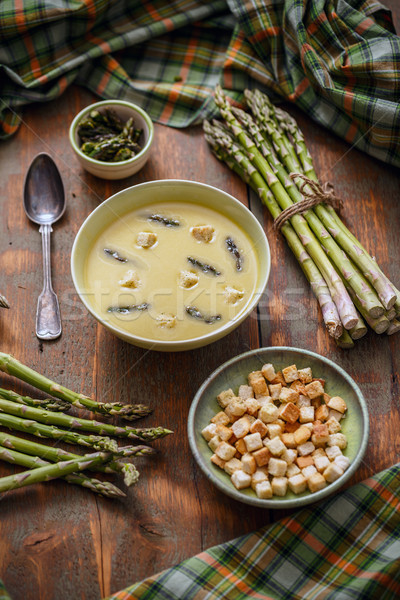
(124, 168)
(143, 195)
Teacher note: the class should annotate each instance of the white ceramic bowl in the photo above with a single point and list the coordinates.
(124, 168)
(178, 191)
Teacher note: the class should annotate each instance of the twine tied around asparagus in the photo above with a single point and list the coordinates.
(317, 193)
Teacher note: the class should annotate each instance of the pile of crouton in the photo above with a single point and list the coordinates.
(280, 432)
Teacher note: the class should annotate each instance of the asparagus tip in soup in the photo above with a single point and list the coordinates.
(194, 312)
(124, 310)
(164, 220)
(203, 266)
(233, 249)
(115, 254)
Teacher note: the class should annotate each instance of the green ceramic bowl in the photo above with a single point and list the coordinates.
(234, 373)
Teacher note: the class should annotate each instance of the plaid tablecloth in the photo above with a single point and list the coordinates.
(339, 60)
(345, 548)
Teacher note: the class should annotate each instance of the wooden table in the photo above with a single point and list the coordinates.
(60, 541)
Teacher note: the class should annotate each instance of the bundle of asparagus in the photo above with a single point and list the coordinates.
(46, 418)
(266, 148)
(3, 302)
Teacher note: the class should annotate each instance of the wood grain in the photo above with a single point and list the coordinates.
(60, 542)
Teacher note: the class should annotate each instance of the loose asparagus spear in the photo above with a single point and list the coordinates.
(50, 431)
(341, 298)
(72, 422)
(4, 302)
(246, 170)
(10, 365)
(47, 403)
(52, 471)
(345, 340)
(104, 488)
(55, 454)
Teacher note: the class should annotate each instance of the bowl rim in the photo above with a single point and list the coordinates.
(278, 503)
(104, 163)
(178, 345)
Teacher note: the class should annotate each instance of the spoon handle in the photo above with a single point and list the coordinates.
(48, 319)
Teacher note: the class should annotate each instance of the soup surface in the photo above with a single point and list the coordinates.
(171, 271)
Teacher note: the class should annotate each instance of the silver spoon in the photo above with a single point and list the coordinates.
(44, 203)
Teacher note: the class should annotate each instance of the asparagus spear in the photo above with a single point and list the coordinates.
(342, 263)
(4, 302)
(345, 340)
(53, 471)
(72, 422)
(238, 162)
(340, 296)
(50, 431)
(10, 365)
(356, 252)
(47, 403)
(104, 488)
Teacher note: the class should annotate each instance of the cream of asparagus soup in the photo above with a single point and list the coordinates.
(171, 271)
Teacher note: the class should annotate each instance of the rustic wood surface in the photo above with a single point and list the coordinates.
(59, 541)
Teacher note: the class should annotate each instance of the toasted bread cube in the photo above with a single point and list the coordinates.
(275, 446)
(214, 443)
(188, 279)
(252, 406)
(203, 233)
(297, 483)
(289, 455)
(146, 239)
(279, 422)
(275, 390)
(290, 412)
(316, 403)
(224, 433)
(309, 426)
(320, 434)
(259, 476)
(288, 395)
(309, 471)
(298, 387)
(307, 414)
(249, 464)
(259, 427)
(301, 435)
(240, 479)
(336, 415)
(263, 489)
(316, 482)
(326, 397)
(305, 449)
(268, 372)
(235, 408)
(314, 389)
(225, 397)
(279, 486)
(303, 401)
(245, 391)
(321, 462)
(342, 461)
(241, 446)
(290, 373)
(216, 460)
(304, 461)
(292, 470)
(333, 425)
(319, 452)
(262, 456)
(165, 320)
(268, 413)
(258, 383)
(337, 403)
(274, 430)
(130, 280)
(209, 432)
(279, 378)
(263, 400)
(232, 295)
(332, 472)
(288, 440)
(241, 427)
(232, 465)
(305, 375)
(253, 442)
(337, 439)
(322, 413)
(220, 418)
(225, 451)
(333, 451)
(291, 427)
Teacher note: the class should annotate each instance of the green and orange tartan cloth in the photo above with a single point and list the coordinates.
(338, 60)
